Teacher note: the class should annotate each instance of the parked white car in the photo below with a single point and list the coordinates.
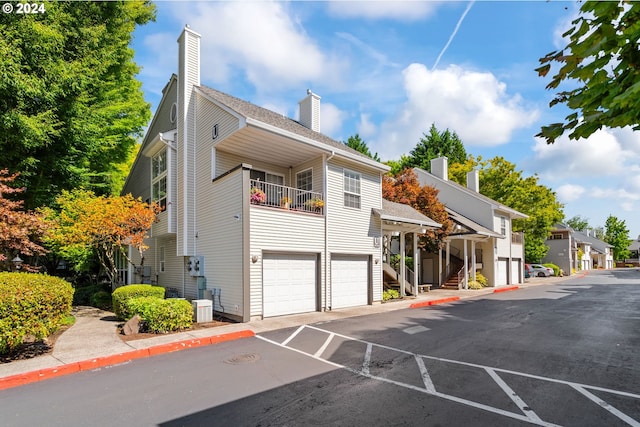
(541, 270)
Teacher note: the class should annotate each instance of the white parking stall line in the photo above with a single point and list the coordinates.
(293, 335)
(324, 346)
(513, 396)
(367, 359)
(426, 379)
(624, 417)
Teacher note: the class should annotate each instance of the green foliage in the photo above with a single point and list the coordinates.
(556, 269)
(161, 315)
(481, 279)
(437, 144)
(502, 182)
(31, 305)
(84, 294)
(474, 284)
(388, 294)
(125, 293)
(617, 235)
(359, 145)
(601, 58)
(578, 223)
(71, 108)
(101, 299)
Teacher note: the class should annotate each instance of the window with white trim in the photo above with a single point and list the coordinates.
(503, 226)
(304, 180)
(351, 189)
(159, 178)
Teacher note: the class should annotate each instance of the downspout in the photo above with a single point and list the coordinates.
(325, 160)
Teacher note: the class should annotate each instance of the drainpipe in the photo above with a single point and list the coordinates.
(325, 160)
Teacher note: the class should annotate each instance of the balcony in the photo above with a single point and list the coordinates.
(517, 238)
(286, 198)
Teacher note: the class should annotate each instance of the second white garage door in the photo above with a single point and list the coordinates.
(289, 283)
(501, 277)
(349, 281)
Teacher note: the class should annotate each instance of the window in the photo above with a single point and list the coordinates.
(161, 259)
(304, 180)
(273, 186)
(159, 179)
(351, 189)
(503, 226)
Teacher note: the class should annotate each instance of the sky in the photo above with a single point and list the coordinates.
(389, 70)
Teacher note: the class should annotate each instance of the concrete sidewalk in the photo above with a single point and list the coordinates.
(92, 342)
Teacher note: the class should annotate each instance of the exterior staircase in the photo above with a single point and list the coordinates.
(391, 280)
(455, 277)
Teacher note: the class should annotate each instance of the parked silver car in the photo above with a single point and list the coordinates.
(541, 270)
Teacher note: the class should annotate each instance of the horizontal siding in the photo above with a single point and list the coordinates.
(274, 230)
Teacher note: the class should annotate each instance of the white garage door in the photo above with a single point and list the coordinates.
(501, 278)
(349, 281)
(515, 272)
(289, 284)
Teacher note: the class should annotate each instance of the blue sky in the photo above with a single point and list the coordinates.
(388, 70)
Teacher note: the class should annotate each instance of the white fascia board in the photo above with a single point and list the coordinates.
(316, 144)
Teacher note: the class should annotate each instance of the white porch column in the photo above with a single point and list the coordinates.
(466, 265)
(416, 261)
(447, 265)
(401, 266)
(473, 260)
(439, 267)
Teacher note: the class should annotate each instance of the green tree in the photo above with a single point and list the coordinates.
(71, 108)
(358, 144)
(578, 223)
(617, 235)
(437, 144)
(502, 182)
(602, 58)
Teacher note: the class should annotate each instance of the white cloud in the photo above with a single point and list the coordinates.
(473, 104)
(383, 9)
(260, 39)
(365, 127)
(569, 192)
(331, 119)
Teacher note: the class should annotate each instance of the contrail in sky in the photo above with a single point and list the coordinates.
(455, 31)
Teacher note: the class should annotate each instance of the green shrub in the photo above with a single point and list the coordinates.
(388, 294)
(161, 315)
(556, 269)
(481, 279)
(128, 292)
(84, 294)
(31, 305)
(101, 300)
(475, 284)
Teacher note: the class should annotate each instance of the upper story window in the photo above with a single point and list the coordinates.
(503, 226)
(304, 180)
(159, 178)
(351, 189)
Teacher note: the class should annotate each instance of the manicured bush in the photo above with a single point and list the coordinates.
(388, 294)
(161, 315)
(84, 294)
(475, 284)
(101, 300)
(31, 306)
(556, 269)
(481, 279)
(128, 292)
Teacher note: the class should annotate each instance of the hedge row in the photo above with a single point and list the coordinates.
(124, 293)
(31, 305)
(162, 315)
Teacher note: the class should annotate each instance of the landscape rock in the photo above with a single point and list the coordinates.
(132, 326)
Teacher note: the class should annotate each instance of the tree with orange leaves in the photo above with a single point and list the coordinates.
(20, 231)
(405, 188)
(104, 225)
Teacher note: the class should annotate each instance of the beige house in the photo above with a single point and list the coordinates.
(263, 214)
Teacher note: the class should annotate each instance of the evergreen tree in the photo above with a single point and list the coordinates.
(359, 145)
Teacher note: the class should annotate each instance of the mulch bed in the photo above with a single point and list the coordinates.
(32, 349)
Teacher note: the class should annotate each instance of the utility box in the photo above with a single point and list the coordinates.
(202, 310)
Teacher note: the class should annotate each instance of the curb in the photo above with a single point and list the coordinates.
(433, 302)
(506, 289)
(115, 359)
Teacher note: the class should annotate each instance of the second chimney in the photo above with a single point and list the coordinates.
(473, 181)
(440, 168)
(310, 111)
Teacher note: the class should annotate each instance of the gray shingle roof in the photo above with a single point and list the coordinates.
(249, 110)
(393, 211)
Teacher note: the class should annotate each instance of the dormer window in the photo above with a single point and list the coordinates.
(159, 178)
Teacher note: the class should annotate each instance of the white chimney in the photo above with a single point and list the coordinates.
(473, 181)
(440, 168)
(310, 111)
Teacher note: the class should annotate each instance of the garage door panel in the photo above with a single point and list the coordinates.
(349, 281)
(289, 283)
(501, 278)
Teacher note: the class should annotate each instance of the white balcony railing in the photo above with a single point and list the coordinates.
(283, 197)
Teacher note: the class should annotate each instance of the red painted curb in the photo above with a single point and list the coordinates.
(115, 359)
(506, 289)
(433, 302)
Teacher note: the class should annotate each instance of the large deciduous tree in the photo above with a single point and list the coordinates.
(361, 146)
(20, 231)
(602, 58)
(71, 108)
(500, 181)
(617, 235)
(405, 188)
(104, 225)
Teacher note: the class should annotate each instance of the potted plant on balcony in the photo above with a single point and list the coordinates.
(316, 204)
(257, 196)
(285, 202)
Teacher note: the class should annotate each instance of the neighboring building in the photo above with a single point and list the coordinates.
(262, 213)
(634, 253)
(483, 240)
(575, 250)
